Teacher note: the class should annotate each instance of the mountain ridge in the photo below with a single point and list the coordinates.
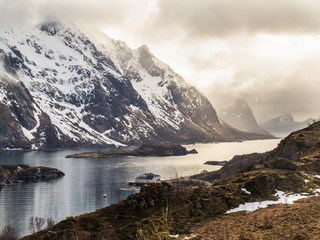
(285, 124)
(76, 93)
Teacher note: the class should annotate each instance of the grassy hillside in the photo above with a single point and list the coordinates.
(282, 221)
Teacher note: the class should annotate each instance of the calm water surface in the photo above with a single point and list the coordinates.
(81, 189)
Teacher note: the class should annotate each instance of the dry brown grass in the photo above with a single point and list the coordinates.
(296, 221)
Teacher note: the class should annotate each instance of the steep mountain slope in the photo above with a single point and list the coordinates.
(239, 115)
(58, 89)
(285, 124)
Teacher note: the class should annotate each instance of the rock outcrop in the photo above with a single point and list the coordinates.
(23, 173)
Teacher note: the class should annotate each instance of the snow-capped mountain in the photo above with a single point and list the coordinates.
(285, 124)
(59, 89)
(239, 115)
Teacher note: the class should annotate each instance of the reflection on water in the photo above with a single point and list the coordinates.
(82, 188)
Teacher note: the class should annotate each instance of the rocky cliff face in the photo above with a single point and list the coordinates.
(59, 89)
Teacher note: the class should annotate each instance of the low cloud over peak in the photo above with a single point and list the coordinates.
(264, 51)
(216, 18)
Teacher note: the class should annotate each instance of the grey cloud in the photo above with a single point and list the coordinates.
(215, 18)
(273, 91)
(188, 24)
(201, 18)
(93, 12)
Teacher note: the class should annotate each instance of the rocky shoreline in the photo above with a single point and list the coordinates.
(22, 173)
(143, 151)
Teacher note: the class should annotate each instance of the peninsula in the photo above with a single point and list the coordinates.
(144, 151)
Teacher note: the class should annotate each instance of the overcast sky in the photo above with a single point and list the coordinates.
(266, 51)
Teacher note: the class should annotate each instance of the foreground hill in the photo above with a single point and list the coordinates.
(298, 152)
(185, 206)
(282, 221)
(59, 89)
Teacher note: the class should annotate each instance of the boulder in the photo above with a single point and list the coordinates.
(192, 151)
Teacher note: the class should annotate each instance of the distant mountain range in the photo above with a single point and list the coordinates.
(59, 89)
(239, 115)
(285, 124)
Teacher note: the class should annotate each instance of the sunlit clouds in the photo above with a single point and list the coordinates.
(264, 51)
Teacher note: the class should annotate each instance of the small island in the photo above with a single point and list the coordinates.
(218, 163)
(143, 151)
(24, 173)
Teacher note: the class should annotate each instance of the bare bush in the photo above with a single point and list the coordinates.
(50, 222)
(36, 224)
(9, 233)
(158, 229)
(39, 223)
(32, 226)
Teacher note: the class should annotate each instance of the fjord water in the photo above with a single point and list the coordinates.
(81, 189)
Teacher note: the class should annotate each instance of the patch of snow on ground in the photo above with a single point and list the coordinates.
(186, 237)
(2, 95)
(216, 130)
(134, 108)
(13, 149)
(191, 236)
(245, 190)
(282, 198)
(27, 133)
(175, 236)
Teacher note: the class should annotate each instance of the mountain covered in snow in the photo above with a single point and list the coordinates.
(284, 124)
(59, 89)
(239, 115)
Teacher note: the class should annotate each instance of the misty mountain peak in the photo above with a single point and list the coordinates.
(148, 62)
(145, 48)
(51, 27)
(240, 103)
(239, 115)
(286, 118)
(284, 124)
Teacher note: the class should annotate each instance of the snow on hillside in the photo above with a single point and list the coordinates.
(63, 90)
(55, 70)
